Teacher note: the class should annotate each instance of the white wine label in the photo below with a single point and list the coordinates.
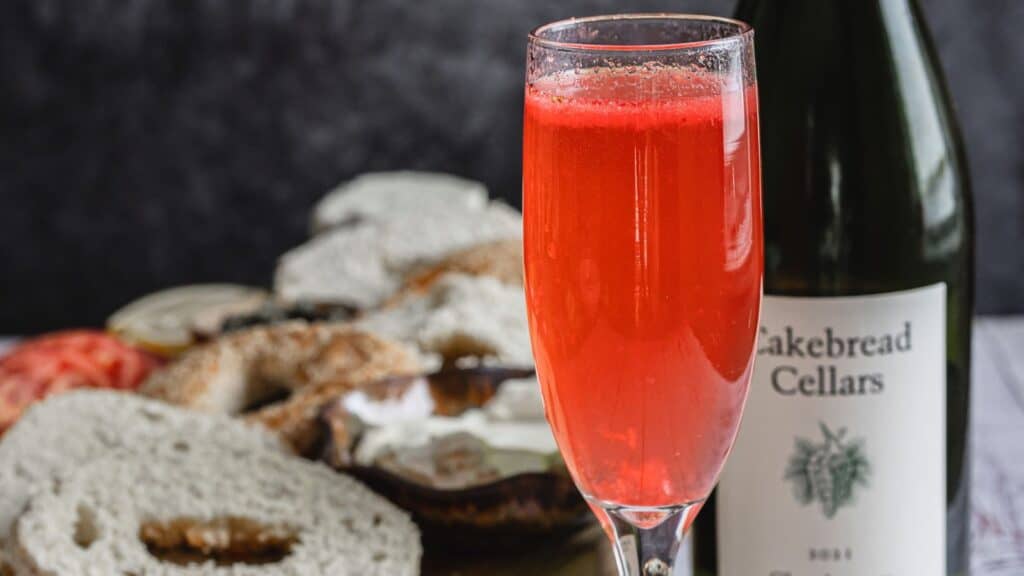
(840, 465)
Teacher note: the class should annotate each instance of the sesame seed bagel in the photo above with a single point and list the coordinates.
(298, 361)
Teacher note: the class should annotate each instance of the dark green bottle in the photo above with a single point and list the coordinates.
(852, 458)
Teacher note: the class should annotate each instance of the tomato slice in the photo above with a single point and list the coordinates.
(63, 361)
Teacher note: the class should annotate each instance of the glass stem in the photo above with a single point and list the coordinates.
(647, 540)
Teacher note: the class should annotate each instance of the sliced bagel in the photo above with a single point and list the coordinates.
(379, 195)
(246, 368)
(73, 428)
(296, 420)
(460, 316)
(197, 513)
(278, 372)
(363, 265)
(343, 266)
(502, 260)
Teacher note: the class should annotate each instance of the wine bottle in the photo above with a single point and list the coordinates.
(851, 460)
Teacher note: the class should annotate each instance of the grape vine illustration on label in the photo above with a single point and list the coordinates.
(827, 473)
(840, 466)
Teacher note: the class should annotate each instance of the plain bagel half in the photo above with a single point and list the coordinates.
(197, 513)
(69, 430)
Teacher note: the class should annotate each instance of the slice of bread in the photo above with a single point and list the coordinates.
(363, 264)
(417, 239)
(460, 316)
(344, 266)
(378, 195)
(74, 428)
(253, 514)
(502, 260)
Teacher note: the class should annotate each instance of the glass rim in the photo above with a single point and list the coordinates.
(743, 31)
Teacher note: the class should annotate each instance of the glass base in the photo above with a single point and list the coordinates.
(646, 541)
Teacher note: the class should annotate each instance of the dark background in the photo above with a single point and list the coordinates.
(148, 143)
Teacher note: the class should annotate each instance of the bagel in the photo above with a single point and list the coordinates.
(460, 316)
(364, 264)
(197, 513)
(73, 428)
(379, 195)
(245, 371)
(502, 260)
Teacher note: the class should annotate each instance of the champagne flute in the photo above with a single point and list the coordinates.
(643, 255)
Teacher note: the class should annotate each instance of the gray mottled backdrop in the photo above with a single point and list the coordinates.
(146, 143)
